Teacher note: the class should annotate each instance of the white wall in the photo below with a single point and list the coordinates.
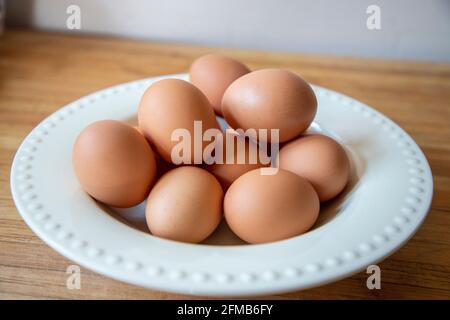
(410, 29)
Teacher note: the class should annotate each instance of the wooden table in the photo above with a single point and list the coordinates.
(40, 72)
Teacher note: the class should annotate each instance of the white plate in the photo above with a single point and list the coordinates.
(384, 204)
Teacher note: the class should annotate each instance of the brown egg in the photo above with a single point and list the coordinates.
(185, 205)
(172, 104)
(234, 165)
(320, 160)
(213, 73)
(265, 208)
(270, 99)
(114, 163)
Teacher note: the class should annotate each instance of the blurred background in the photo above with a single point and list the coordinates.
(408, 29)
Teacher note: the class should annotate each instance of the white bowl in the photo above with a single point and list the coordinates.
(383, 205)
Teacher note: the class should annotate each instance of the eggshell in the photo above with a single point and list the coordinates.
(265, 208)
(213, 73)
(270, 99)
(185, 205)
(232, 167)
(320, 160)
(114, 163)
(172, 104)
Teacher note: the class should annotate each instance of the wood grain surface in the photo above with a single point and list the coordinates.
(40, 72)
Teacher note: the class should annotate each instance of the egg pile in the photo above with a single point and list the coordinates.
(121, 165)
